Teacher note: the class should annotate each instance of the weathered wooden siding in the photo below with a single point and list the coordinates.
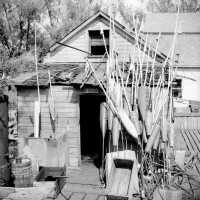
(187, 132)
(187, 121)
(66, 123)
(81, 41)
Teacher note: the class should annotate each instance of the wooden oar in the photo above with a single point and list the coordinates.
(120, 113)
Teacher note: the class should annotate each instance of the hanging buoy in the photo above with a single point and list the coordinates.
(142, 100)
(164, 131)
(152, 138)
(135, 120)
(149, 121)
(110, 119)
(144, 136)
(116, 131)
(125, 106)
(103, 118)
(111, 85)
(127, 123)
(141, 127)
(171, 135)
(162, 146)
(117, 95)
(156, 142)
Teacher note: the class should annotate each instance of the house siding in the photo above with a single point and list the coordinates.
(67, 129)
(65, 150)
(62, 54)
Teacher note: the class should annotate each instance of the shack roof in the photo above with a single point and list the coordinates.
(61, 72)
(79, 74)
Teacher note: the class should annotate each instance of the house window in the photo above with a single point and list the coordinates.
(97, 46)
(177, 88)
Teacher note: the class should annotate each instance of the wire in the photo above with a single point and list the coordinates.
(74, 48)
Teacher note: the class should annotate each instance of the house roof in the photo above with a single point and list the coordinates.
(187, 46)
(165, 22)
(123, 30)
(59, 73)
(70, 74)
(79, 74)
(99, 14)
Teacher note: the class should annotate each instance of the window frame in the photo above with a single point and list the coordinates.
(178, 88)
(107, 43)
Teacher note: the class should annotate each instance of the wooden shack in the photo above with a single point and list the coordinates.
(75, 132)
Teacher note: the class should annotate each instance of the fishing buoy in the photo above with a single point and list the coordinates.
(141, 127)
(116, 131)
(152, 138)
(111, 85)
(156, 142)
(127, 123)
(149, 121)
(171, 135)
(110, 119)
(164, 131)
(135, 120)
(142, 101)
(117, 95)
(103, 118)
(125, 107)
(162, 146)
(144, 136)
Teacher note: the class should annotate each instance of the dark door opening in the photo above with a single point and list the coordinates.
(91, 136)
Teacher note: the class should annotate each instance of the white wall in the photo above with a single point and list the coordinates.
(191, 88)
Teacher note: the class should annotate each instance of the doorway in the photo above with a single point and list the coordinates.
(91, 136)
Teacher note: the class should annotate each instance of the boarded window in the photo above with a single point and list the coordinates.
(97, 46)
(177, 88)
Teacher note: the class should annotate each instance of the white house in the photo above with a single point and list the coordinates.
(187, 48)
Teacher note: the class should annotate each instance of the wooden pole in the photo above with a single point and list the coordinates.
(37, 103)
(36, 66)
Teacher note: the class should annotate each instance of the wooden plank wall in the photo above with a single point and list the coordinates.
(66, 123)
(185, 124)
(124, 47)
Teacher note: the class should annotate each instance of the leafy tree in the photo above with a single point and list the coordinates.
(16, 24)
(171, 5)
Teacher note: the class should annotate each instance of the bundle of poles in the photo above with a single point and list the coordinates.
(139, 98)
(139, 95)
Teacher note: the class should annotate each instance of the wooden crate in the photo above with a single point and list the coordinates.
(120, 177)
